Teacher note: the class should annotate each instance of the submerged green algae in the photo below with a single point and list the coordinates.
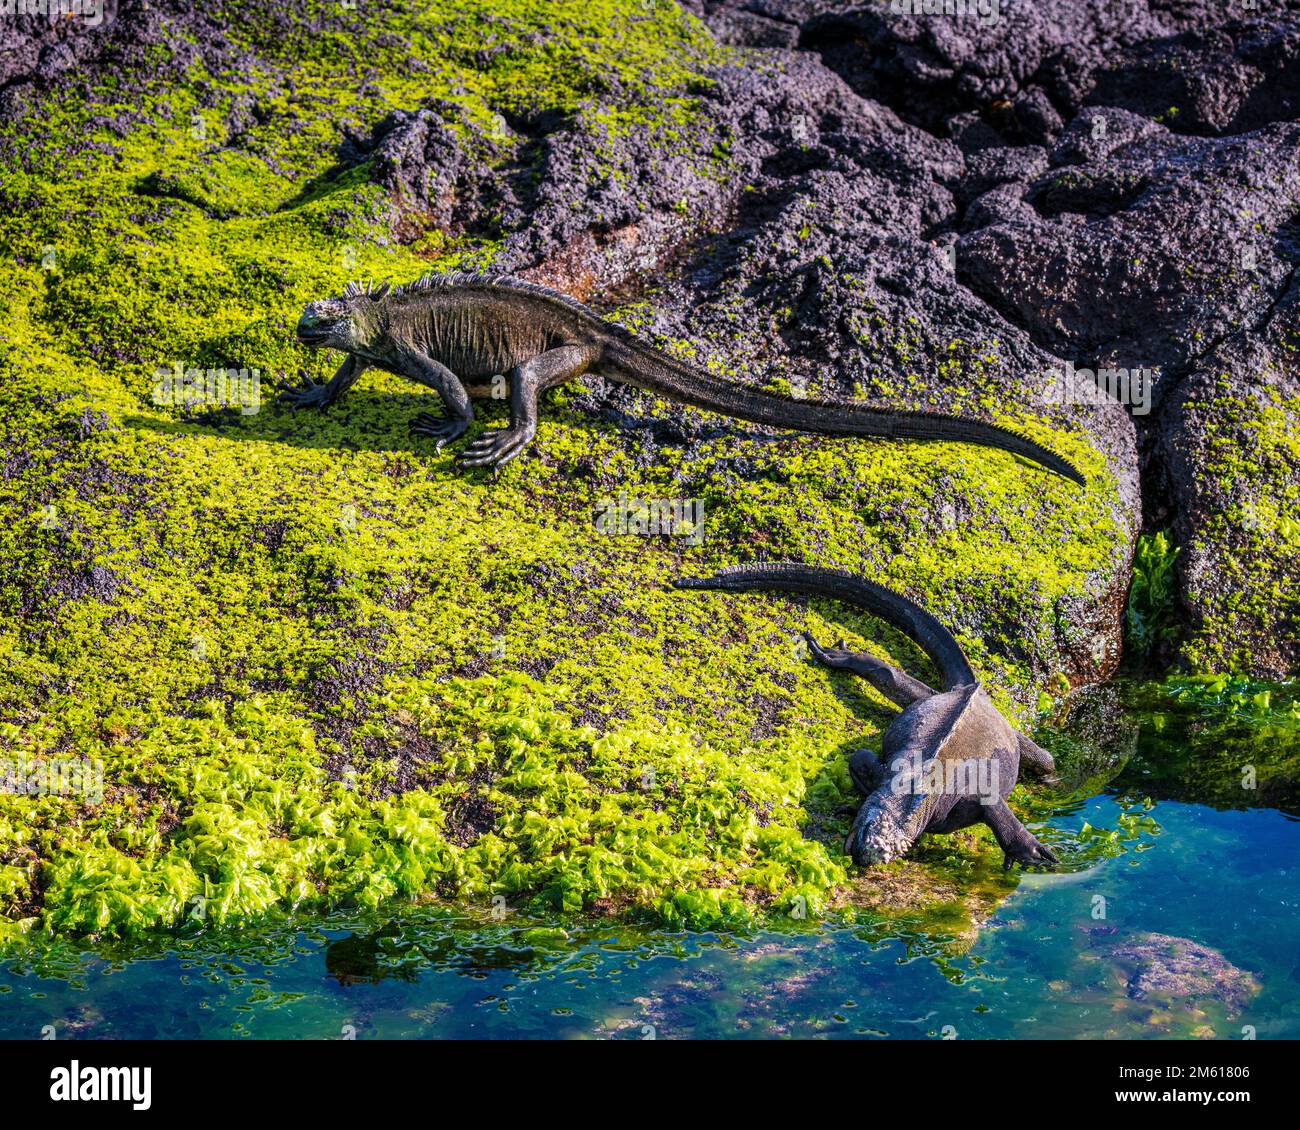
(314, 664)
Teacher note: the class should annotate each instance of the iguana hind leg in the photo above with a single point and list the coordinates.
(527, 382)
(1035, 757)
(895, 684)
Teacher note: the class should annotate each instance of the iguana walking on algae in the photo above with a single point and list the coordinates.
(459, 334)
(942, 738)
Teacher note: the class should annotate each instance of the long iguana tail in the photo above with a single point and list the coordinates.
(788, 576)
(640, 364)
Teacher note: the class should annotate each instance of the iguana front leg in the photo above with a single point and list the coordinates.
(867, 771)
(432, 374)
(527, 382)
(313, 395)
(1017, 842)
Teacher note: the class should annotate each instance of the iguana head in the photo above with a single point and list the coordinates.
(350, 322)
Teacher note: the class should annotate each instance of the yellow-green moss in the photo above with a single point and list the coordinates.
(319, 666)
(1249, 530)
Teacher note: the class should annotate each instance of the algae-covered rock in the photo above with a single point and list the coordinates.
(289, 660)
(1182, 970)
(1231, 442)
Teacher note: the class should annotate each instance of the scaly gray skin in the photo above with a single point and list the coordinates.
(958, 726)
(455, 333)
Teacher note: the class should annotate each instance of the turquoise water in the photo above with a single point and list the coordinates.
(1214, 864)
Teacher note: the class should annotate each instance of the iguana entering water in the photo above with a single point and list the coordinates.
(476, 336)
(942, 739)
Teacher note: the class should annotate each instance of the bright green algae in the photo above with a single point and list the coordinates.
(1248, 539)
(319, 666)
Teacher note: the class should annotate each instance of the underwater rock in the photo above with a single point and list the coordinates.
(1161, 966)
(947, 906)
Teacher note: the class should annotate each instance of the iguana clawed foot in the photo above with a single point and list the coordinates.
(444, 429)
(491, 449)
(835, 656)
(1028, 852)
(309, 394)
(496, 448)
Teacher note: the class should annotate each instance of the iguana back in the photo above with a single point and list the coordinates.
(454, 332)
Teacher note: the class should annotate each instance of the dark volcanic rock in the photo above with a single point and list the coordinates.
(434, 178)
(931, 68)
(1140, 248)
(1228, 79)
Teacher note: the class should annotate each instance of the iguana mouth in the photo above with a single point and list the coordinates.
(312, 337)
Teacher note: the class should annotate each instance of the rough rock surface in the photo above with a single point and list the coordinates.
(1125, 190)
(1161, 966)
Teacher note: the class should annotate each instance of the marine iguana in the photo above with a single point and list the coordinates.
(942, 738)
(477, 336)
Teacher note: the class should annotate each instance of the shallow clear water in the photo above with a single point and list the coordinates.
(1047, 963)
